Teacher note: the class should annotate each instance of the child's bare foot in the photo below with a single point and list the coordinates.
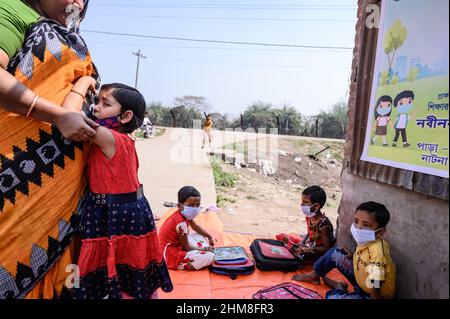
(335, 284)
(311, 277)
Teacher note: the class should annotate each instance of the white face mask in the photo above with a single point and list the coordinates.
(190, 212)
(307, 211)
(363, 236)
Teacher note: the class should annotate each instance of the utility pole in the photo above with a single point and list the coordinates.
(139, 56)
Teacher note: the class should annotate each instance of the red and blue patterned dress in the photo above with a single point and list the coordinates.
(120, 253)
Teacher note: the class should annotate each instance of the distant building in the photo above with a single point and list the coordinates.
(401, 67)
(414, 63)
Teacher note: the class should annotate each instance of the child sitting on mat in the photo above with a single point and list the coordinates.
(370, 269)
(181, 249)
(319, 238)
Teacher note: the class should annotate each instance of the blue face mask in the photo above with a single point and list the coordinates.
(382, 111)
(404, 108)
(110, 122)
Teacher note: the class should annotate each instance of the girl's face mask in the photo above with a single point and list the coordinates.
(190, 212)
(111, 122)
(382, 111)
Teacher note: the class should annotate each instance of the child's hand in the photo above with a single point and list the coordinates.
(210, 240)
(209, 248)
(297, 251)
(348, 253)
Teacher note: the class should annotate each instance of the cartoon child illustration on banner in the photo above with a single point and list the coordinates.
(403, 103)
(383, 110)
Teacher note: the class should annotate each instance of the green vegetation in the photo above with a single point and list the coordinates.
(221, 178)
(222, 200)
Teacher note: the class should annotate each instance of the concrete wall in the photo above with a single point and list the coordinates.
(418, 233)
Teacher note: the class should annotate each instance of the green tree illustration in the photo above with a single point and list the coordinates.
(394, 38)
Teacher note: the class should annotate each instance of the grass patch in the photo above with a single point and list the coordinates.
(221, 178)
(251, 197)
(222, 200)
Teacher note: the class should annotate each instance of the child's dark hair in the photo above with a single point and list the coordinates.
(402, 95)
(316, 195)
(186, 192)
(382, 215)
(131, 100)
(384, 98)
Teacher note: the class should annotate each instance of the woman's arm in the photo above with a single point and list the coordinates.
(17, 98)
(76, 97)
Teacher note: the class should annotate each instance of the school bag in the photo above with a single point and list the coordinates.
(232, 261)
(270, 254)
(286, 290)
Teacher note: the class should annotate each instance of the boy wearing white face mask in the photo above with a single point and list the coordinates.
(181, 249)
(370, 270)
(319, 238)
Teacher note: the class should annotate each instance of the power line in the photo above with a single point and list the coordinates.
(220, 41)
(253, 65)
(233, 6)
(222, 18)
(241, 49)
(250, 65)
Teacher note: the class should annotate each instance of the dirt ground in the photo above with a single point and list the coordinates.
(266, 205)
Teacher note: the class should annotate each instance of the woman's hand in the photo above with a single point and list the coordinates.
(76, 126)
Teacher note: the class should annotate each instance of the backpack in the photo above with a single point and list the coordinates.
(272, 254)
(232, 261)
(286, 290)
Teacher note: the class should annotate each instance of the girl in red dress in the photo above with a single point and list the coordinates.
(120, 254)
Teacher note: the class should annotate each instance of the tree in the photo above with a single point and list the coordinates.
(333, 124)
(259, 115)
(159, 114)
(290, 120)
(412, 74)
(384, 78)
(195, 103)
(394, 38)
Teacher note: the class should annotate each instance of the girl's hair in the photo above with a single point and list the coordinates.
(129, 99)
(186, 192)
(384, 98)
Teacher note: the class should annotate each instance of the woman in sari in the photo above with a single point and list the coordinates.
(41, 158)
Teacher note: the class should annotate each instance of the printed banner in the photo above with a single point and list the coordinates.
(408, 124)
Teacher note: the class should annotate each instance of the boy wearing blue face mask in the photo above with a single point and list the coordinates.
(181, 249)
(403, 103)
(370, 270)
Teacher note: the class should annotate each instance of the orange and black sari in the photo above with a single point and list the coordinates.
(41, 173)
